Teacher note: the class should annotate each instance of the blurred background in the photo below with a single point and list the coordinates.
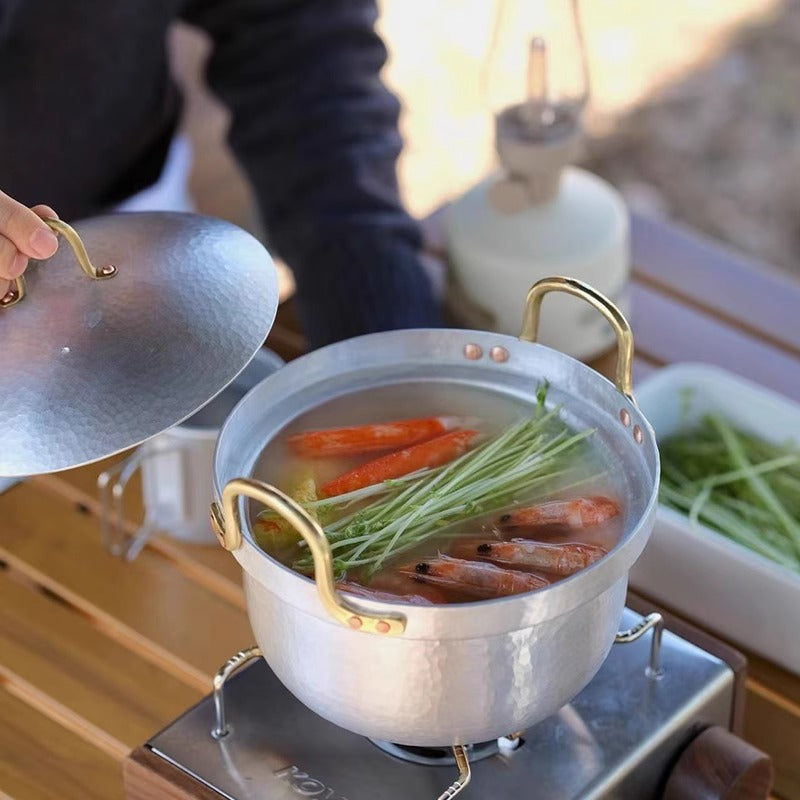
(694, 114)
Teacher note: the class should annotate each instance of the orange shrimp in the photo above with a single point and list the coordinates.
(577, 514)
(433, 453)
(359, 439)
(473, 577)
(385, 597)
(560, 559)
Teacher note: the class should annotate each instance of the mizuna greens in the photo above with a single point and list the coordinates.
(740, 485)
(527, 461)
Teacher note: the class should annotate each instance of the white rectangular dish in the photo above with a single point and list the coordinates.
(695, 570)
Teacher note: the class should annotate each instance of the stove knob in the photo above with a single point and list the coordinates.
(717, 765)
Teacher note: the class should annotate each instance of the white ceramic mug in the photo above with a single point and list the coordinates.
(176, 469)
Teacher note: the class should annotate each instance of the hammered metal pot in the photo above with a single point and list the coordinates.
(452, 674)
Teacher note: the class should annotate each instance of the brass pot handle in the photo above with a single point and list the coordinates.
(530, 324)
(227, 526)
(13, 296)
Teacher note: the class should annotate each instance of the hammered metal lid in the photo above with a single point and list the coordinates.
(91, 367)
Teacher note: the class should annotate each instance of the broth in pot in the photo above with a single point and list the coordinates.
(439, 492)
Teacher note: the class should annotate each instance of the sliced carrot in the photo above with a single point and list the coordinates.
(433, 453)
(369, 438)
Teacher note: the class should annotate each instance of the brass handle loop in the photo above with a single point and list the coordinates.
(19, 291)
(227, 526)
(622, 329)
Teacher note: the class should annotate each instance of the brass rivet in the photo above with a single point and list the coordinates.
(473, 351)
(498, 353)
(625, 417)
(355, 622)
(383, 627)
(637, 434)
(9, 298)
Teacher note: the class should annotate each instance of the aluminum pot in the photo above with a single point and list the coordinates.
(436, 675)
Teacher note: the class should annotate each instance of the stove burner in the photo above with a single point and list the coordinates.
(443, 756)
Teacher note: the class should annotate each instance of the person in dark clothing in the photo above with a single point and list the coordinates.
(88, 112)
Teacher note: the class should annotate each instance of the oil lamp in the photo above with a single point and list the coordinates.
(538, 215)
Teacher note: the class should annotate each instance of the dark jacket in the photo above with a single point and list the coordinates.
(87, 112)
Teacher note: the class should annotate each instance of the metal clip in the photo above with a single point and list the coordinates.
(233, 664)
(464, 774)
(656, 622)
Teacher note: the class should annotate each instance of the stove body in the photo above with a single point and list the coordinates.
(617, 739)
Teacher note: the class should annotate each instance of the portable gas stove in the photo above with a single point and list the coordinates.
(619, 738)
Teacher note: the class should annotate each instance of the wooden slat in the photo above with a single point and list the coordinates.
(41, 760)
(705, 272)
(147, 604)
(670, 332)
(149, 777)
(56, 656)
(776, 731)
(772, 721)
(210, 565)
(777, 680)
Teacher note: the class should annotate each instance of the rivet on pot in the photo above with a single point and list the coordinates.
(637, 434)
(108, 269)
(9, 298)
(499, 354)
(625, 417)
(473, 351)
(382, 627)
(355, 622)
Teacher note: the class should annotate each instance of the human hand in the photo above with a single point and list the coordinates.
(23, 235)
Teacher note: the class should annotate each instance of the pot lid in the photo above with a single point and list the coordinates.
(96, 363)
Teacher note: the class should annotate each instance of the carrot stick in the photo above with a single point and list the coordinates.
(368, 438)
(433, 453)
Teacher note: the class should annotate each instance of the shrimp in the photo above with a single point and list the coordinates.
(560, 559)
(383, 597)
(359, 439)
(473, 577)
(390, 581)
(576, 514)
(433, 453)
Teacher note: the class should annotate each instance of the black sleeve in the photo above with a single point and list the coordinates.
(316, 132)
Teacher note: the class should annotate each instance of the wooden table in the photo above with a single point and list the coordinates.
(97, 654)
